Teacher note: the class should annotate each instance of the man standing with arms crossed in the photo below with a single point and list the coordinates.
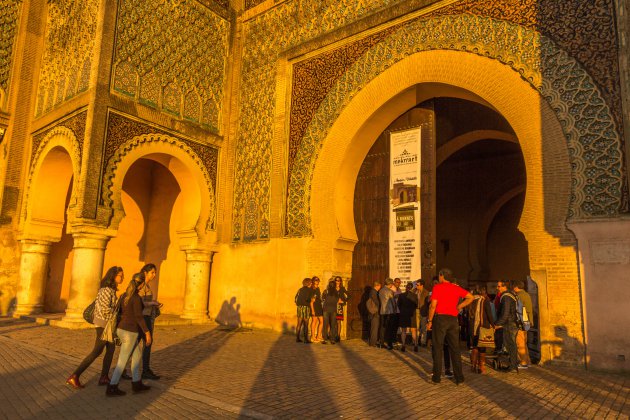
(443, 321)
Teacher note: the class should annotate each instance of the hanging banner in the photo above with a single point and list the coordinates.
(404, 205)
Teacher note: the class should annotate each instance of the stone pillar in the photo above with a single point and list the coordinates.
(33, 276)
(197, 284)
(604, 251)
(87, 268)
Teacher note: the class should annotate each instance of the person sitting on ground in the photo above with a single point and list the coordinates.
(407, 305)
(304, 299)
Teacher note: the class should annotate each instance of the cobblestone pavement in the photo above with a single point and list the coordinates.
(209, 372)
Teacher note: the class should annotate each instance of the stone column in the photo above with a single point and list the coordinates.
(33, 276)
(197, 284)
(87, 268)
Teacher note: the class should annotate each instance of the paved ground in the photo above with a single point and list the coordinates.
(213, 373)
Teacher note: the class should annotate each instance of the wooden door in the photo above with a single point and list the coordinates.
(370, 259)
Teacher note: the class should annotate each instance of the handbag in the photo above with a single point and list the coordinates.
(486, 338)
(88, 313)
(109, 333)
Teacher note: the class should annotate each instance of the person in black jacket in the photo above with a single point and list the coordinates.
(373, 313)
(507, 321)
(407, 305)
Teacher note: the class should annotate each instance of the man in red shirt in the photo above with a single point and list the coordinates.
(445, 306)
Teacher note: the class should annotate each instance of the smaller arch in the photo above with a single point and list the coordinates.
(48, 167)
(183, 163)
(456, 144)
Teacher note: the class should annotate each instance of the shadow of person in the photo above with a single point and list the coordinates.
(229, 315)
(564, 347)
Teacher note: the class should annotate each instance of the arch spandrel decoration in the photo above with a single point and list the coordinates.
(592, 138)
(159, 143)
(65, 138)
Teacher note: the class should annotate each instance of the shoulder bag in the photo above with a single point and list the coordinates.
(88, 313)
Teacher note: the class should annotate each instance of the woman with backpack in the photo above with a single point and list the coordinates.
(104, 307)
(131, 324)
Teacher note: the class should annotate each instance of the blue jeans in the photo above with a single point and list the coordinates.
(130, 347)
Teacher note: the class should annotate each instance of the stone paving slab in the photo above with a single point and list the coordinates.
(260, 374)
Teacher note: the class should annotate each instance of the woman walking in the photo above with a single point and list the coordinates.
(103, 310)
(131, 324)
(318, 313)
(150, 312)
(480, 323)
(330, 299)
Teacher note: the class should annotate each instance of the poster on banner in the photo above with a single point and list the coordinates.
(404, 205)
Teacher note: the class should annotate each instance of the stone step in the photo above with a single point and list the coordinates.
(56, 320)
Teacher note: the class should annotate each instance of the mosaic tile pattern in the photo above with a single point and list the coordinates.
(124, 134)
(593, 139)
(169, 49)
(68, 49)
(265, 37)
(9, 18)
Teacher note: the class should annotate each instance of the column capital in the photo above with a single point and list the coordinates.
(90, 240)
(35, 246)
(200, 255)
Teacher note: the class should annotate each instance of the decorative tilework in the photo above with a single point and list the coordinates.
(9, 18)
(123, 134)
(76, 124)
(593, 140)
(174, 46)
(265, 37)
(68, 49)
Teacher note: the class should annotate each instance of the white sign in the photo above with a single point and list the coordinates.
(404, 205)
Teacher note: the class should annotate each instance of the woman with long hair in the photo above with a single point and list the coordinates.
(150, 312)
(318, 313)
(330, 299)
(479, 316)
(343, 298)
(130, 325)
(103, 310)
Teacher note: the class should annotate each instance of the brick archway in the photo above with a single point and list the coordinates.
(540, 135)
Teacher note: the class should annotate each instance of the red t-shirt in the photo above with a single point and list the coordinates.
(447, 296)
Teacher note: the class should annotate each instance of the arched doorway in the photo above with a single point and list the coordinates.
(153, 205)
(475, 172)
(46, 254)
(439, 73)
(162, 209)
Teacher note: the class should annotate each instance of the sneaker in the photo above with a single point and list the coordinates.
(448, 374)
(523, 366)
(297, 340)
(324, 342)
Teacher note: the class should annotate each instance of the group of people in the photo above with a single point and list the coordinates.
(134, 314)
(320, 314)
(441, 319)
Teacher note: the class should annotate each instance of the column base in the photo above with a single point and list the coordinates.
(27, 310)
(196, 317)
